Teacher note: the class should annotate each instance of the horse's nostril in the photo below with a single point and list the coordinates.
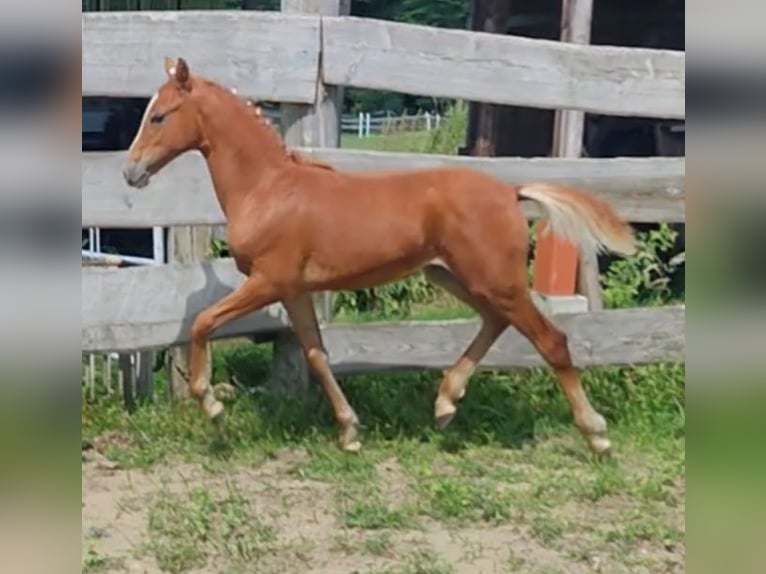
(132, 173)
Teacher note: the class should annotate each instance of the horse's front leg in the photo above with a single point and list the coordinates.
(303, 317)
(256, 292)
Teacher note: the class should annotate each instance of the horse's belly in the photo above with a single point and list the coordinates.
(362, 272)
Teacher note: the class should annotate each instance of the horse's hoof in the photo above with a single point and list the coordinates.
(599, 444)
(443, 420)
(215, 411)
(353, 447)
(444, 412)
(348, 437)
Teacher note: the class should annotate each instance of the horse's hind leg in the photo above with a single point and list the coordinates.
(452, 387)
(551, 343)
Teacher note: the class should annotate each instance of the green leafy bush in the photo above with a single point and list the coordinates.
(642, 279)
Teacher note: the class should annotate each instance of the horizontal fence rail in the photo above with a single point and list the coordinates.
(123, 51)
(265, 55)
(502, 69)
(146, 307)
(149, 307)
(642, 190)
(615, 337)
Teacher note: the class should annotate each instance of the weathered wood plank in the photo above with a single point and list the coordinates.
(122, 52)
(144, 307)
(501, 69)
(642, 189)
(614, 337)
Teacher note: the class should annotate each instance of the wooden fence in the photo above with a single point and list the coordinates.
(276, 57)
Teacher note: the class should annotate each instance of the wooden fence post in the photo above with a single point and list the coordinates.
(557, 270)
(568, 138)
(185, 245)
(315, 125)
(136, 376)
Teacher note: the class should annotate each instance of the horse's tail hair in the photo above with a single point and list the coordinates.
(579, 217)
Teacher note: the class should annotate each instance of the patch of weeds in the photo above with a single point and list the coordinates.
(185, 531)
(472, 550)
(585, 550)
(95, 562)
(96, 533)
(420, 561)
(378, 544)
(547, 529)
(302, 547)
(375, 515)
(417, 458)
(489, 462)
(426, 562)
(157, 432)
(330, 464)
(653, 488)
(343, 542)
(552, 487)
(450, 498)
(607, 480)
(646, 527)
(514, 562)
(365, 507)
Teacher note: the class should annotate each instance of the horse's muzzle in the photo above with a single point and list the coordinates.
(136, 174)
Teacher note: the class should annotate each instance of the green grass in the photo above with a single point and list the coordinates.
(397, 142)
(511, 458)
(443, 309)
(373, 515)
(186, 530)
(94, 562)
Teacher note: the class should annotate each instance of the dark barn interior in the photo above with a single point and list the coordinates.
(526, 132)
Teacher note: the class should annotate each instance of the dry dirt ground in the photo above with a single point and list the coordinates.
(301, 511)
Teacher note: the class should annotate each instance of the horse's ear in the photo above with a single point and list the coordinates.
(177, 71)
(182, 73)
(170, 67)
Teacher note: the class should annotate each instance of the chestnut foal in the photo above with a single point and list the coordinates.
(295, 227)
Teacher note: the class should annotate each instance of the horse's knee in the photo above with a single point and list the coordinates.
(202, 327)
(316, 357)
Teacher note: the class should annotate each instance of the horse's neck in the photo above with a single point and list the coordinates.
(239, 151)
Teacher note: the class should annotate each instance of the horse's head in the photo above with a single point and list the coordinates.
(168, 129)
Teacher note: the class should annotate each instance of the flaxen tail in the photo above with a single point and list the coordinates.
(581, 218)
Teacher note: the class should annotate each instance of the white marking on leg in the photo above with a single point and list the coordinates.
(210, 405)
(149, 106)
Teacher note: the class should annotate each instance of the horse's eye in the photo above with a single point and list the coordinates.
(157, 118)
